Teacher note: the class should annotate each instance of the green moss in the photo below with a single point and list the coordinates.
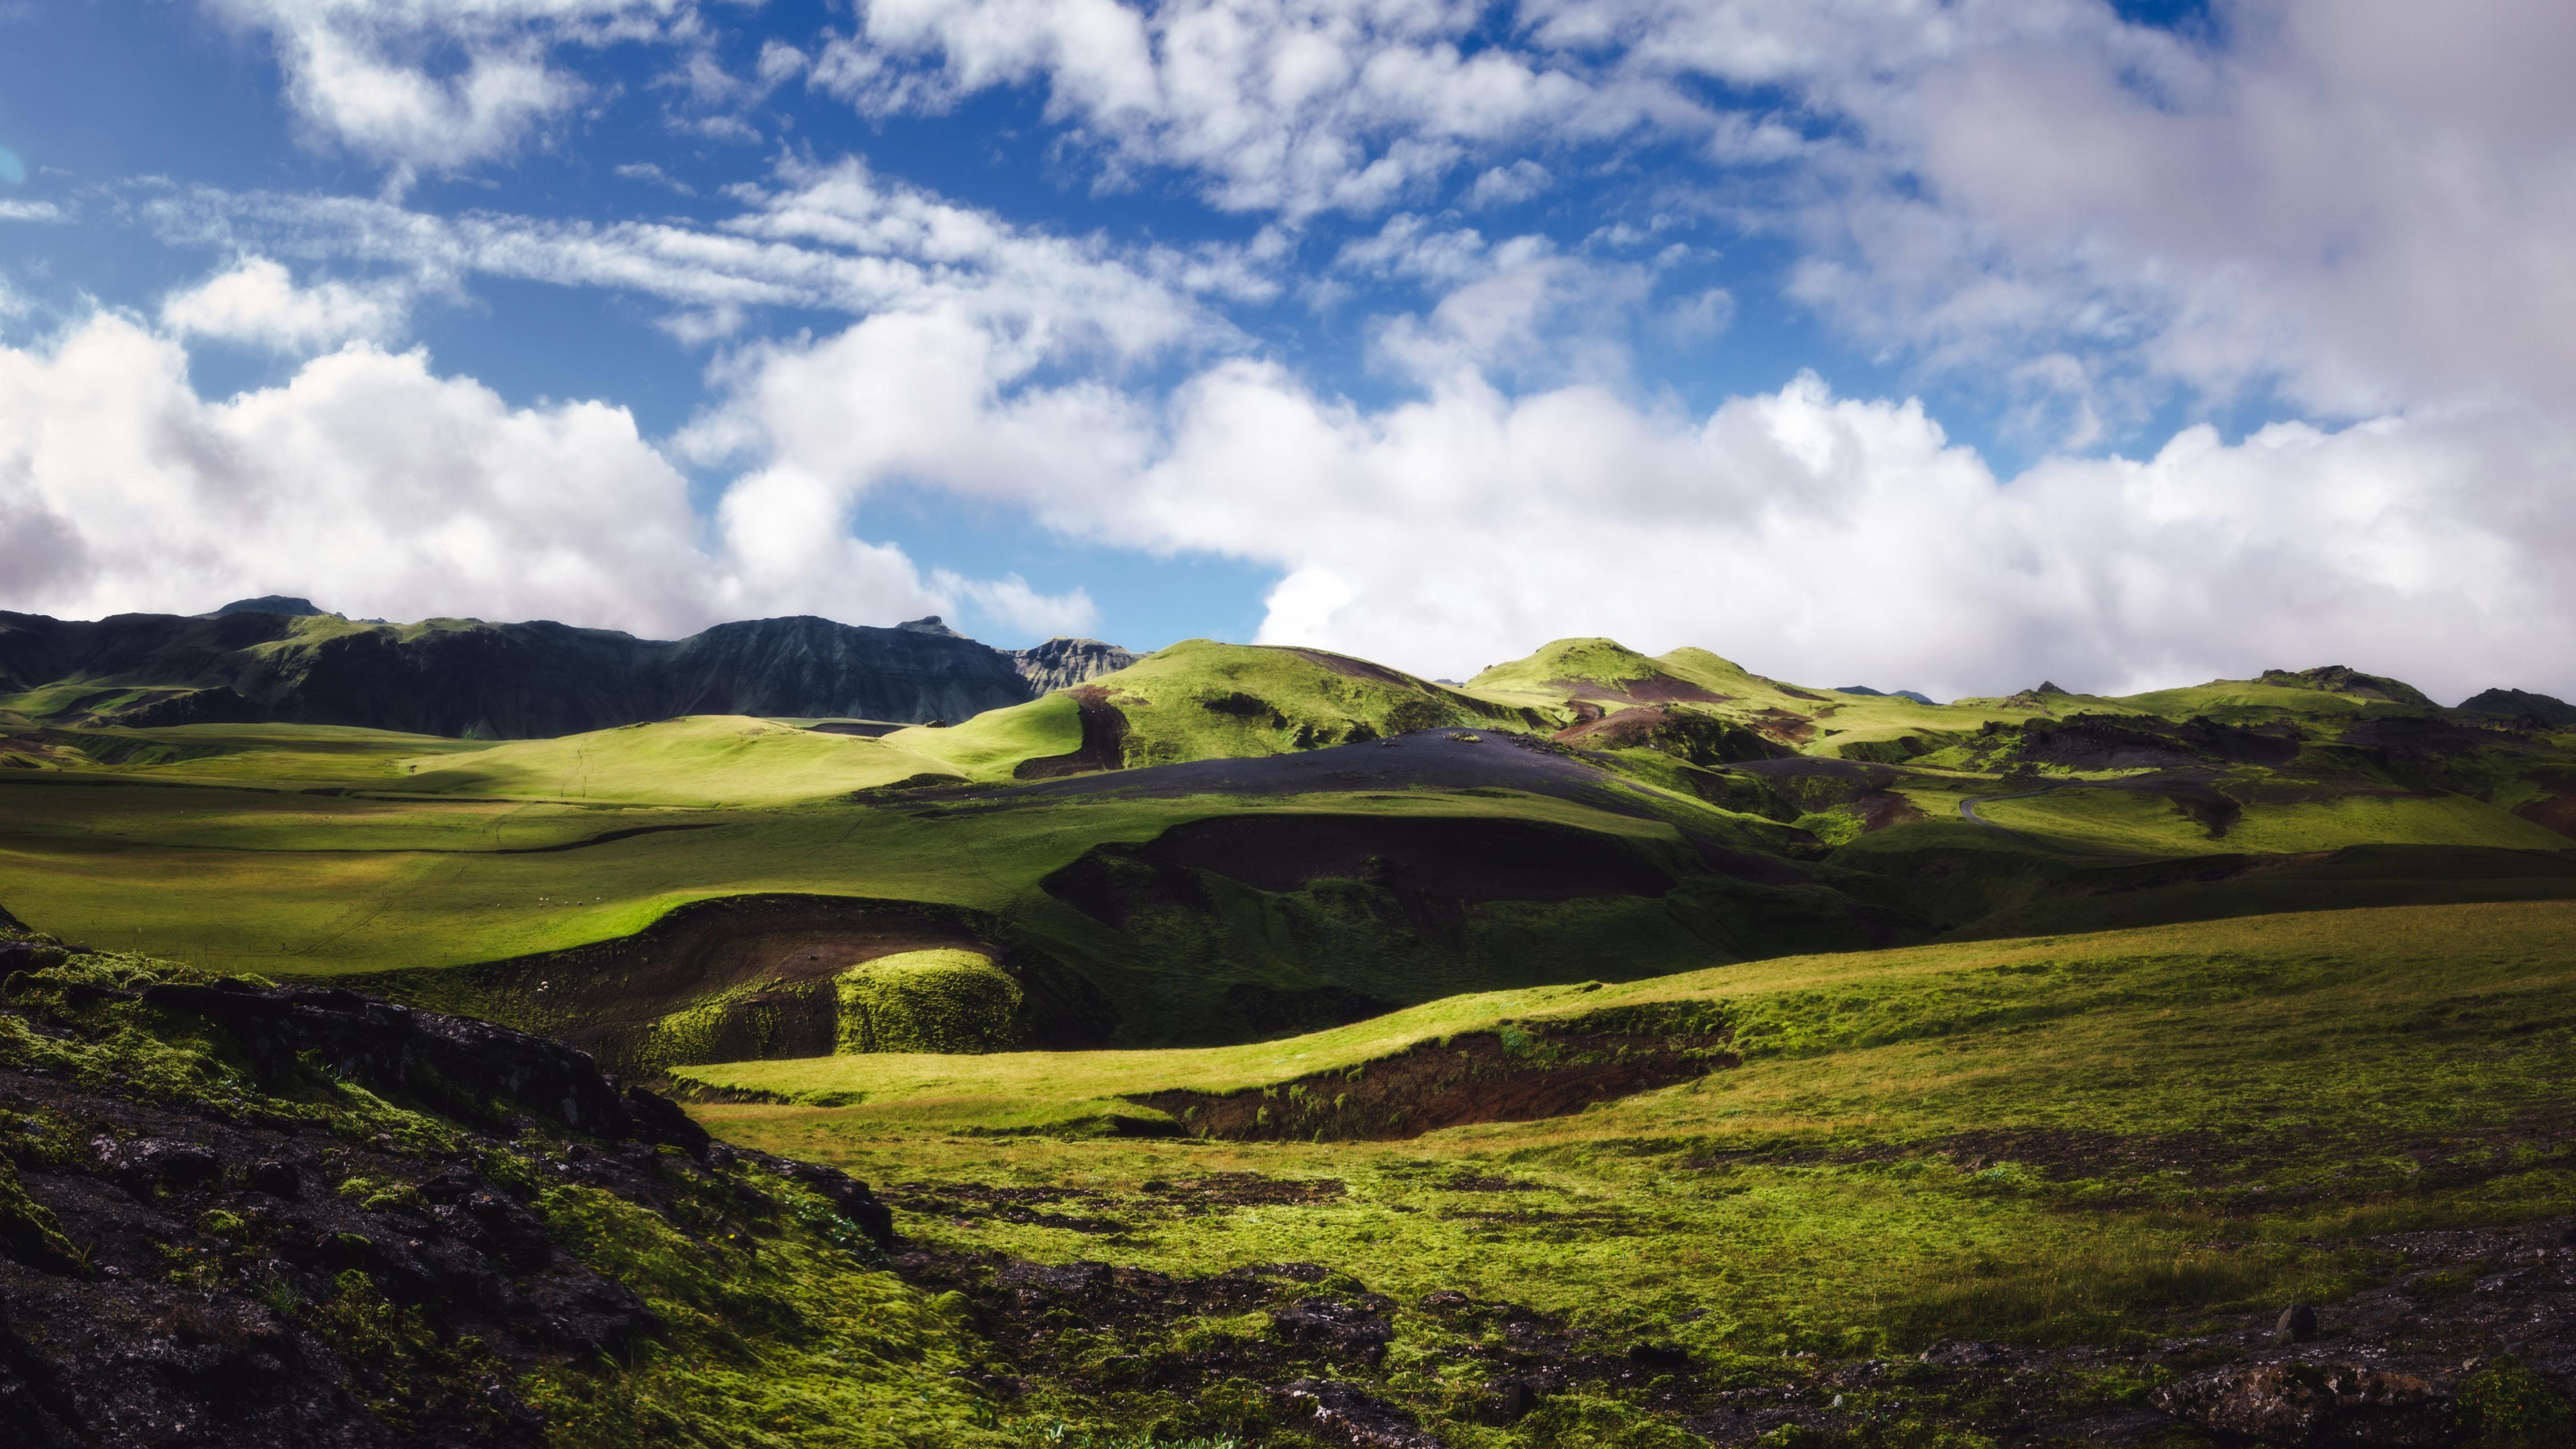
(29, 1231)
(928, 1001)
(2507, 1406)
(784, 1340)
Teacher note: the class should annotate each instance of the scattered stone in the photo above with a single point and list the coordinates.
(1963, 1354)
(2297, 1404)
(151, 1162)
(1344, 1414)
(277, 1179)
(1343, 1331)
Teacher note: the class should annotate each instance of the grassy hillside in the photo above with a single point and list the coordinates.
(701, 760)
(1201, 700)
(2116, 1155)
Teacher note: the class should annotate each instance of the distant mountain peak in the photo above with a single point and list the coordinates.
(929, 624)
(1914, 695)
(292, 608)
(1063, 662)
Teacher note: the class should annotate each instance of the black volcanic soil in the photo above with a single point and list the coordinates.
(1653, 689)
(1104, 741)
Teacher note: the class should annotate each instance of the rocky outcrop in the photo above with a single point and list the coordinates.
(1062, 662)
(2344, 680)
(465, 677)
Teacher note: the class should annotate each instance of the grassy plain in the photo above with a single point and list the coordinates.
(2109, 1139)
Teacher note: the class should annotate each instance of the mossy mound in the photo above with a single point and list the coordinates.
(929, 1001)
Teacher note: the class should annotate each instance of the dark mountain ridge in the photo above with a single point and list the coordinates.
(465, 677)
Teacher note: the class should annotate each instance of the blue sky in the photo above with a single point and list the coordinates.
(1932, 345)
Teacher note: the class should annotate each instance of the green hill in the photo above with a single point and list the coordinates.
(1202, 700)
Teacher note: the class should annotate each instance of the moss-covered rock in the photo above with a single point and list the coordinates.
(929, 1001)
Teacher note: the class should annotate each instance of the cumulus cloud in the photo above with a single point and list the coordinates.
(257, 303)
(380, 488)
(1317, 105)
(1812, 535)
(440, 84)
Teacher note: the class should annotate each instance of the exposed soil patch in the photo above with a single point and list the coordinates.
(1104, 740)
(2558, 812)
(964, 1202)
(1247, 1189)
(1472, 1077)
(1880, 809)
(1653, 689)
(1349, 668)
(607, 998)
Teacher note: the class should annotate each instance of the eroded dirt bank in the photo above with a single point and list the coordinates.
(1516, 1074)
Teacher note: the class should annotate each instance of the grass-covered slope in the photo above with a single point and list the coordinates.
(1200, 699)
(2097, 1166)
(702, 760)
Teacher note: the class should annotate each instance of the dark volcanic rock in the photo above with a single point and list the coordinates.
(467, 677)
(2310, 1403)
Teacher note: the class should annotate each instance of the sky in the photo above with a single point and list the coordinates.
(1942, 346)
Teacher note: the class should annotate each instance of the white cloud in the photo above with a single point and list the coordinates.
(1300, 107)
(833, 237)
(441, 84)
(376, 487)
(1507, 185)
(1815, 535)
(256, 302)
(1011, 602)
(32, 211)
